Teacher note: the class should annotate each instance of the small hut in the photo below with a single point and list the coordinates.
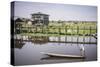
(18, 25)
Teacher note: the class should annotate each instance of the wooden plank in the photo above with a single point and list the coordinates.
(62, 55)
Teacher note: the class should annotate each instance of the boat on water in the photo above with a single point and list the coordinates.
(82, 56)
(63, 55)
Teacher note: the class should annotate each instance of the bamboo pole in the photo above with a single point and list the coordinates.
(77, 34)
(66, 34)
(72, 34)
(90, 36)
(84, 35)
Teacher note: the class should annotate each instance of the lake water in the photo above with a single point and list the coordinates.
(28, 52)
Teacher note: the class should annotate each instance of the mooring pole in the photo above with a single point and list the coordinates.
(72, 34)
(66, 34)
(90, 35)
(77, 34)
(84, 35)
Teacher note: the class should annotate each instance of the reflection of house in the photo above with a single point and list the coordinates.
(40, 18)
(19, 44)
(40, 39)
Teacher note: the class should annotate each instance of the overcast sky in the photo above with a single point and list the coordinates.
(57, 11)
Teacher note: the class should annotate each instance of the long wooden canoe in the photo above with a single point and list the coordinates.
(62, 55)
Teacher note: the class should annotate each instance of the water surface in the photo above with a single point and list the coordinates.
(29, 52)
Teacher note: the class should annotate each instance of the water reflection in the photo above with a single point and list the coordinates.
(18, 44)
(57, 39)
(28, 49)
(39, 40)
(61, 58)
